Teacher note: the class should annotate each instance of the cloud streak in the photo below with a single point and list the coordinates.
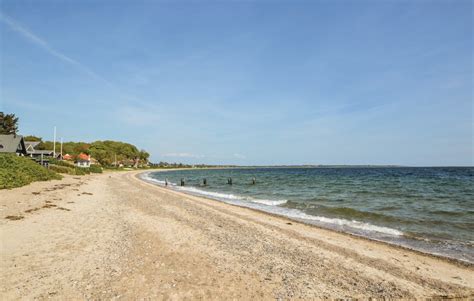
(182, 155)
(34, 39)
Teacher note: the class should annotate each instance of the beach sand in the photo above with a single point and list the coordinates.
(113, 236)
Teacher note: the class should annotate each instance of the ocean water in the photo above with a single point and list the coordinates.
(427, 209)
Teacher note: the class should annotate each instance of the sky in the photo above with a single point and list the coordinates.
(246, 82)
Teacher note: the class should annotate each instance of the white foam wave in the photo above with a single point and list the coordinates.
(291, 213)
(269, 202)
(146, 176)
(210, 193)
(344, 222)
(225, 196)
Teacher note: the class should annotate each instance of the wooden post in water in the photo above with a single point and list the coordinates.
(254, 181)
(204, 182)
(229, 181)
(166, 182)
(182, 182)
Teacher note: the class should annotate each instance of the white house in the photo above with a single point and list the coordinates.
(83, 160)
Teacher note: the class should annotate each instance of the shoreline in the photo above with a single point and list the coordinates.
(453, 260)
(115, 236)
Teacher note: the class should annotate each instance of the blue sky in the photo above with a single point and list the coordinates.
(247, 82)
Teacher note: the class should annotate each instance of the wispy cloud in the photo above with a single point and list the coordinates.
(182, 155)
(239, 156)
(137, 115)
(33, 38)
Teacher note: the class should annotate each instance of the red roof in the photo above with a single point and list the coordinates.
(83, 156)
(67, 157)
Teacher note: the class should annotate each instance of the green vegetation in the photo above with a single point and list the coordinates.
(95, 168)
(107, 152)
(8, 124)
(62, 163)
(32, 138)
(60, 169)
(18, 171)
(69, 168)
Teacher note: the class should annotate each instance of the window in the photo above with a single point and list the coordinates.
(1, 146)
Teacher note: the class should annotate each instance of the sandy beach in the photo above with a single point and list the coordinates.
(113, 236)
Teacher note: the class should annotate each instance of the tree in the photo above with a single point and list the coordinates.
(143, 155)
(8, 124)
(33, 138)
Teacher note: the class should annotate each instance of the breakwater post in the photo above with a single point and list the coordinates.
(182, 182)
(229, 181)
(254, 181)
(204, 182)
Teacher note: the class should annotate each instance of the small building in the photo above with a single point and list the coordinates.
(83, 160)
(31, 146)
(67, 157)
(37, 154)
(13, 144)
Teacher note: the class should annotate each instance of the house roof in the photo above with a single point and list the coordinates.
(83, 157)
(12, 143)
(39, 152)
(33, 144)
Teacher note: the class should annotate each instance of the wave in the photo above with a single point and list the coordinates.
(215, 195)
(288, 212)
(225, 196)
(354, 213)
(294, 213)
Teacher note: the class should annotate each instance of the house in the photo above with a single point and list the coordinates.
(13, 144)
(67, 157)
(83, 160)
(34, 153)
(31, 145)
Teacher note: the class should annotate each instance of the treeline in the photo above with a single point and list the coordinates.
(181, 165)
(107, 153)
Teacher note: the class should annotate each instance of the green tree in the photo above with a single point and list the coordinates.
(33, 138)
(8, 124)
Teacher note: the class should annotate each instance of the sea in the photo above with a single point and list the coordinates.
(429, 209)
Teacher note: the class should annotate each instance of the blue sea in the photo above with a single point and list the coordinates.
(427, 209)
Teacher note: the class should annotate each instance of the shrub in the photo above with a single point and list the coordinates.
(80, 171)
(18, 171)
(61, 169)
(61, 163)
(95, 168)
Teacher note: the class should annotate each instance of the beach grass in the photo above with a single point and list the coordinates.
(18, 171)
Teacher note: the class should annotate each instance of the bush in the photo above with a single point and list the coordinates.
(18, 171)
(95, 168)
(61, 169)
(61, 163)
(80, 171)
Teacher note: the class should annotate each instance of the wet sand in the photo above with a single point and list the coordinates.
(113, 236)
